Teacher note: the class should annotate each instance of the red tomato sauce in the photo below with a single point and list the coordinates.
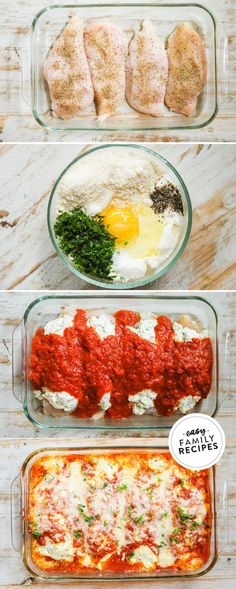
(85, 366)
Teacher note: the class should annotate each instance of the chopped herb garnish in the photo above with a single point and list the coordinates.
(184, 517)
(181, 482)
(105, 522)
(164, 514)
(194, 525)
(87, 518)
(162, 544)
(105, 485)
(87, 242)
(77, 534)
(122, 487)
(36, 534)
(138, 519)
(129, 556)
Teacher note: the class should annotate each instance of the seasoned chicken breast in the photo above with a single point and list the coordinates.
(146, 71)
(187, 69)
(67, 72)
(106, 49)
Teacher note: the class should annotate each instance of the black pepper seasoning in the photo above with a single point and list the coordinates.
(167, 197)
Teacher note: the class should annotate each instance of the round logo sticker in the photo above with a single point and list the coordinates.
(197, 441)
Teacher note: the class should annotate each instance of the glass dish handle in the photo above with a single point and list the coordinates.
(222, 513)
(17, 363)
(225, 371)
(223, 66)
(25, 73)
(16, 515)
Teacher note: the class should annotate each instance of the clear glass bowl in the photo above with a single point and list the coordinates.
(174, 177)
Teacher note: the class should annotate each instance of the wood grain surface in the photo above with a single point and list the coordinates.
(28, 260)
(14, 424)
(16, 120)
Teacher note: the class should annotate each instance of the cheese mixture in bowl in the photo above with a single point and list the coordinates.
(119, 216)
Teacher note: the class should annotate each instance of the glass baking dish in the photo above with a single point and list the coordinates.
(165, 17)
(45, 308)
(20, 488)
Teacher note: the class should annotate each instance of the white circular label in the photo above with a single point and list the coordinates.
(196, 441)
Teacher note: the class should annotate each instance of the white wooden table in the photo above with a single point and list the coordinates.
(13, 451)
(28, 259)
(17, 122)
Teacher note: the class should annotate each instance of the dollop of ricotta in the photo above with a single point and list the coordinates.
(104, 325)
(145, 555)
(125, 267)
(58, 551)
(186, 334)
(145, 329)
(60, 400)
(142, 401)
(187, 403)
(105, 401)
(58, 325)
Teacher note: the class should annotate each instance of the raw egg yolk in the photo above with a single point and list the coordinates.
(122, 223)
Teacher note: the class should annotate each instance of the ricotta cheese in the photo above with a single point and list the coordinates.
(105, 402)
(187, 403)
(170, 236)
(125, 267)
(142, 401)
(185, 334)
(58, 325)
(104, 325)
(165, 558)
(145, 555)
(60, 400)
(146, 329)
(60, 550)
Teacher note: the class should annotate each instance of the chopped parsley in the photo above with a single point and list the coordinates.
(87, 518)
(162, 544)
(194, 525)
(35, 531)
(77, 534)
(105, 485)
(164, 514)
(184, 517)
(36, 534)
(122, 487)
(129, 556)
(87, 242)
(138, 519)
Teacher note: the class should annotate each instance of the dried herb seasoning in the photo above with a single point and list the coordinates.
(167, 197)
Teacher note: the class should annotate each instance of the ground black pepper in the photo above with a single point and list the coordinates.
(167, 196)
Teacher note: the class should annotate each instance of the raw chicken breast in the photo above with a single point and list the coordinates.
(187, 69)
(67, 72)
(106, 49)
(146, 71)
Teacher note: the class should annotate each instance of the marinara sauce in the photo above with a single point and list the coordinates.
(82, 364)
